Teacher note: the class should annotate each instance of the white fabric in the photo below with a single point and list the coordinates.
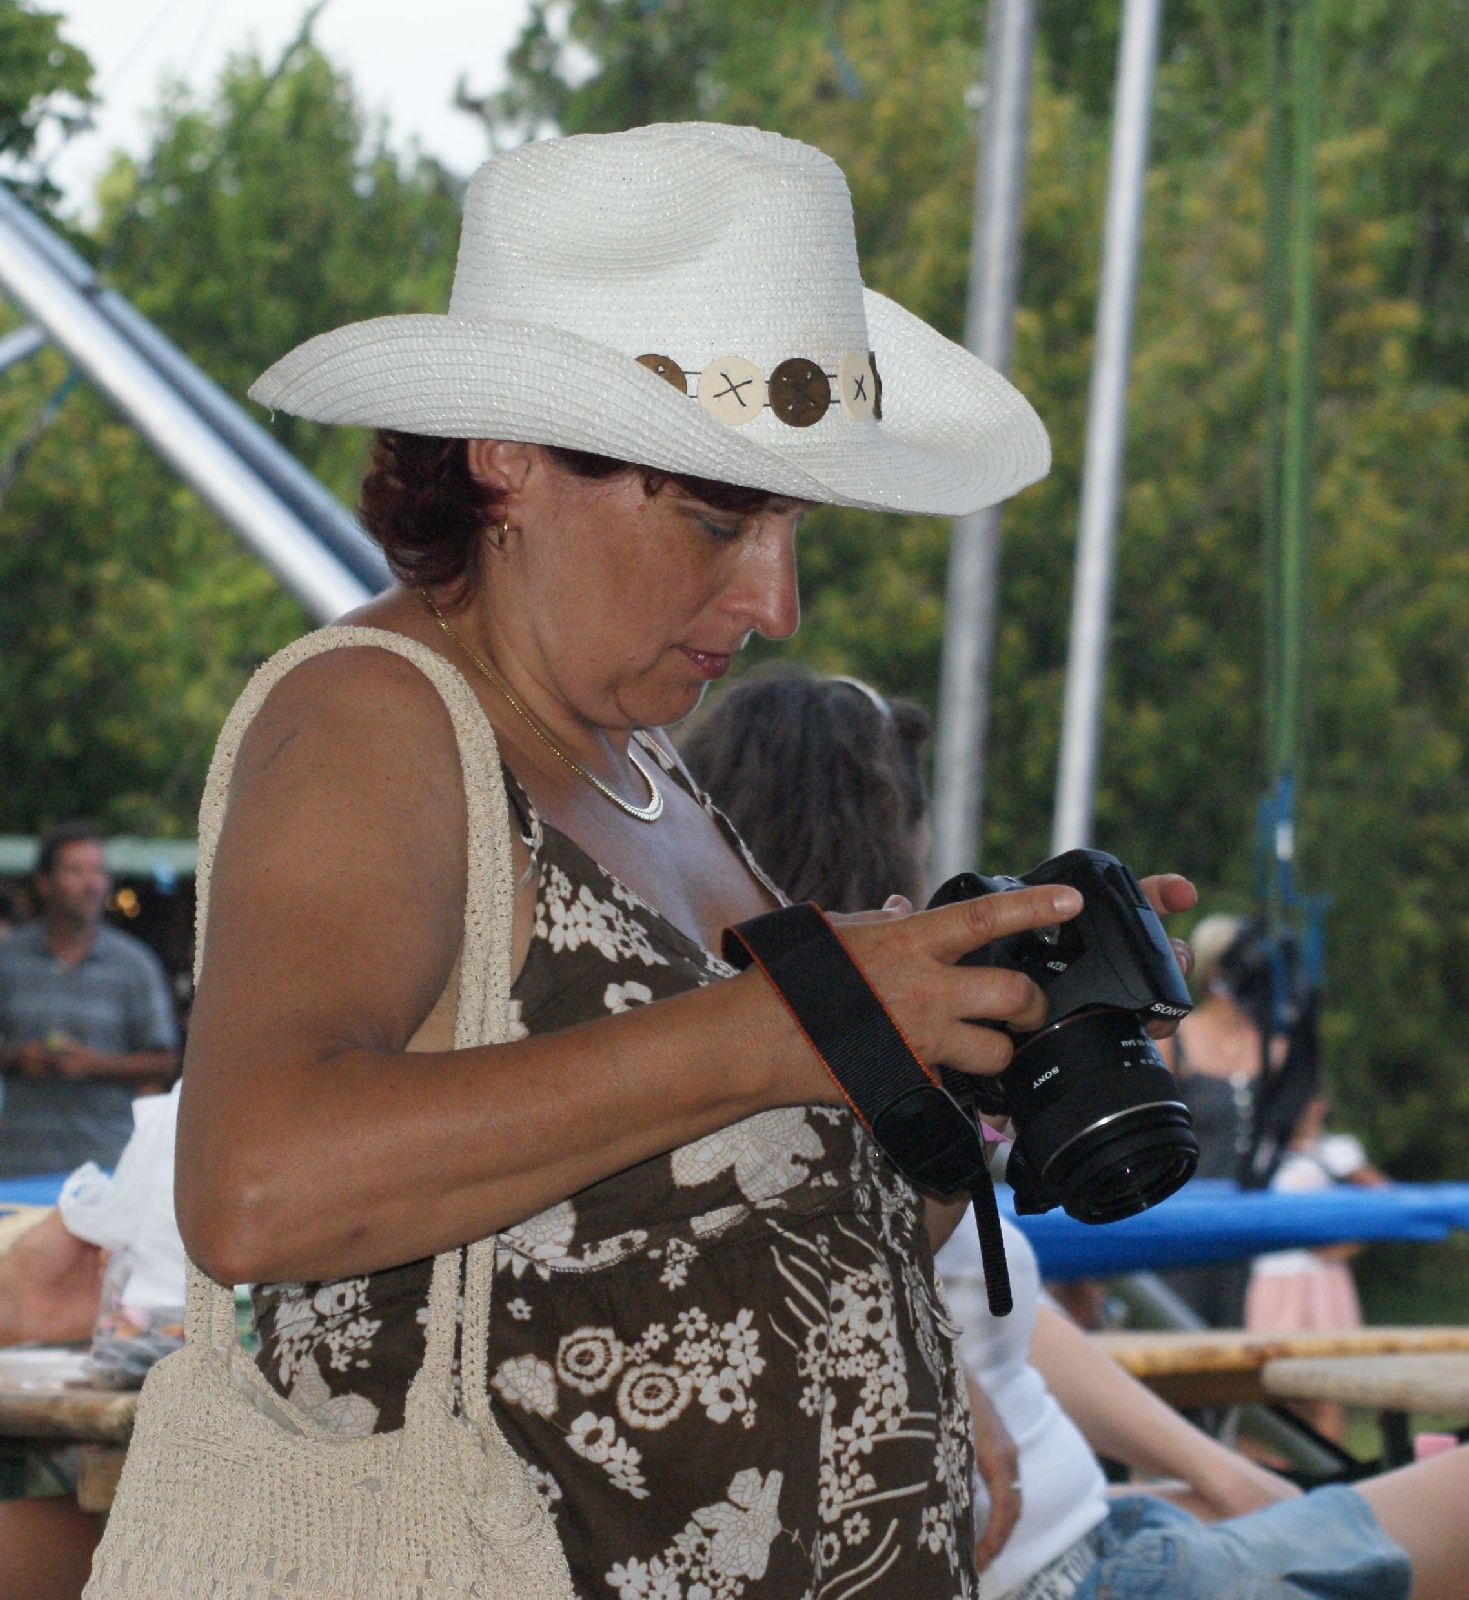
(1063, 1491)
(695, 242)
(132, 1211)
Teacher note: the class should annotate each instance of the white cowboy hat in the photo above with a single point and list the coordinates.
(685, 296)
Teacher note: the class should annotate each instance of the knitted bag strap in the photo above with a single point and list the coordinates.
(483, 1012)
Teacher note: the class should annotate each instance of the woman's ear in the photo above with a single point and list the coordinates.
(499, 464)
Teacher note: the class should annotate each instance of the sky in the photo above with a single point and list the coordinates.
(405, 57)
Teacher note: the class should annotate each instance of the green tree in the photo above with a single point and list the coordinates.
(131, 616)
(45, 88)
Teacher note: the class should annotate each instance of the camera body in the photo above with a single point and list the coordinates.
(1100, 1127)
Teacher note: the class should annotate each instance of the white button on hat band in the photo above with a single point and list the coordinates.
(732, 389)
(857, 386)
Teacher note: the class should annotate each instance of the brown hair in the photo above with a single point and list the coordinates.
(422, 504)
(823, 781)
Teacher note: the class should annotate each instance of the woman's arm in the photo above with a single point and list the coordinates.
(1127, 1422)
(313, 1144)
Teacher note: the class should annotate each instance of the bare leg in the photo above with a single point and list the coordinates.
(1422, 1507)
(46, 1548)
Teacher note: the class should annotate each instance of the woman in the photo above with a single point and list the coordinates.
(714, 1343)
(1044, 1397)
(823, 780)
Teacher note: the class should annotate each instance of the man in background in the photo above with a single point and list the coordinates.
(85, 1019)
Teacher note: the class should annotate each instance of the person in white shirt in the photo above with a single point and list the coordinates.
(1222, 1528)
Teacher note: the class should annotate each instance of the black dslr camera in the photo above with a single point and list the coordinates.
(1100, 1128)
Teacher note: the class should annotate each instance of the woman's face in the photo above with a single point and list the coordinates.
(626, 606)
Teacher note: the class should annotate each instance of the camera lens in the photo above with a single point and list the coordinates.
(1104, 1133)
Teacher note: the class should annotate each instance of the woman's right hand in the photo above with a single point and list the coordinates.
(948, 1013)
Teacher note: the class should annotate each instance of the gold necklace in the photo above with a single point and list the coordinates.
(648, 813)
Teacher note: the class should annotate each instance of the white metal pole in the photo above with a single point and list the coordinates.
(189, 445)
(1106, 431)
(969, 614)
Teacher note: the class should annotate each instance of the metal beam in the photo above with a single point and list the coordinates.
(175, 430)
(969, 613)
(1106, 431)
(20, 345)
(325, 517)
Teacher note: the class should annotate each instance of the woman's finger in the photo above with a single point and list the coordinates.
(1169, 892)
(953, 931)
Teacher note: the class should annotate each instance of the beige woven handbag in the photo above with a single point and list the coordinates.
(228, 1493)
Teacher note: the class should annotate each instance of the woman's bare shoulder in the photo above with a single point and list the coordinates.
(352, 706)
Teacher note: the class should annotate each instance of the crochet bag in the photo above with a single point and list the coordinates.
(228, 1493)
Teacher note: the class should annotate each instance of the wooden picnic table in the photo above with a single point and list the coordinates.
(1226, 1366)
(46, 1403)
(1395, 1385)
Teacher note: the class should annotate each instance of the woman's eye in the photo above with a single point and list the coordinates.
(720, 530)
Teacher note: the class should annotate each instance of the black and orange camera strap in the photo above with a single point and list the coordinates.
(898, 1099)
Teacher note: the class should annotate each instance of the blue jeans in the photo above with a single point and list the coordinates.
(1326, 1545)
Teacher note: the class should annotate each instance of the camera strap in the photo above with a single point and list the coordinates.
(897, 1098)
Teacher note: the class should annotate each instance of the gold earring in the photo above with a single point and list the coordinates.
(500, 534)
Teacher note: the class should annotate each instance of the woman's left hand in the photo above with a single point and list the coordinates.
(1169, 893)
(998, 1463)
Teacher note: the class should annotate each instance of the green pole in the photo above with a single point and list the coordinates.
(1300, 388)
(1277, 225)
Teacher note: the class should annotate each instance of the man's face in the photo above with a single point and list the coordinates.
(78, 884)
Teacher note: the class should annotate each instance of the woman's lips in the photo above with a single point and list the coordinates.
(706, 664)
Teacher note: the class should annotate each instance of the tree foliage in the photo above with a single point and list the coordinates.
(45, 88)
(131, 617)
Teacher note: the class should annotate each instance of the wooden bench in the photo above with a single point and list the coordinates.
(1395, 1385)
(1226, 1366)
(46, 1403)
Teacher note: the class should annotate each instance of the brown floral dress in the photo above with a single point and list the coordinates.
(728, 1367)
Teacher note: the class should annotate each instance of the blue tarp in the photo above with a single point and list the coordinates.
(37, 1191)
(1211, 1220)
(1207, 1220)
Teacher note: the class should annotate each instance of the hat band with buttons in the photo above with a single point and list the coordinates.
(799, 391)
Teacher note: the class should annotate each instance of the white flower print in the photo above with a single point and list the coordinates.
(620, 997)
(638, 1580)
(519, 1309)
(592, 1436)
(589, 1359)
(767, 1152)
(742, 1347)
(744, 1526)
(515, 1022)
(540, 1239)
(651, 1396)
(934, 1530)
(597, 1440)
(723, 1396)
(676, 1258)
(336, 1299)
(528, 1382)
(568, 918)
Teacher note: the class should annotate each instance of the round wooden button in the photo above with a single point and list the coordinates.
(732, 389)
(667, 368)
(800, 392)
(857, 386)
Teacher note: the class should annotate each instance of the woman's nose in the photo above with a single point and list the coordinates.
(767, 591)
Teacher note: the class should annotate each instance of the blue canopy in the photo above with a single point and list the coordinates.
(1212, 1220)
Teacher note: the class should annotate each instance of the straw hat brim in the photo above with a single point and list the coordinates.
(955, 435)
